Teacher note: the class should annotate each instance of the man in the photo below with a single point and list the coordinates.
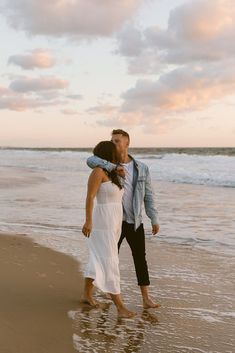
(137, 191)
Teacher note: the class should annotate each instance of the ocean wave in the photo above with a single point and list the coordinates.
(216, 170)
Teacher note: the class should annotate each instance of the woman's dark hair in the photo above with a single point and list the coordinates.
(107, 150)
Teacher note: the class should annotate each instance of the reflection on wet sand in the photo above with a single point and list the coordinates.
(194, 288)
(100, 330)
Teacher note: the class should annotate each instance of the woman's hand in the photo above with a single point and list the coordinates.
(86, 229)
(121, 171)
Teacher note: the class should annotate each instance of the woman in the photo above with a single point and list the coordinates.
(103, 229)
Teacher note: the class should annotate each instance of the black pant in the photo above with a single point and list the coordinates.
(136, 241)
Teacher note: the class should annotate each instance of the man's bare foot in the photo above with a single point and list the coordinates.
(149, 303)
(125, 313)
(91, 301)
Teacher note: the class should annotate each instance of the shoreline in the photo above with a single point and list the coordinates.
(38, 288)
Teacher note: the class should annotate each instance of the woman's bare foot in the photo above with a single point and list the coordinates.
(125, 313)
(91, 301)
(107, 296)
(148, 303)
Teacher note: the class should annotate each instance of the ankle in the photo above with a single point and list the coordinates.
(146, 298)
(120, 307)
(87, 294)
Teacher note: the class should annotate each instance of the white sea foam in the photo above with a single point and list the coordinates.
(193, 169)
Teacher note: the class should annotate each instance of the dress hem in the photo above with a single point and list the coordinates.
(101, 288)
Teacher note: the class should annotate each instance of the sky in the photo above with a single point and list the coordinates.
(71, 71)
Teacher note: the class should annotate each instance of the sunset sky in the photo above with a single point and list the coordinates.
(73, 70)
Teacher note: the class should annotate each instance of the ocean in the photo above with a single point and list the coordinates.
(43, 192)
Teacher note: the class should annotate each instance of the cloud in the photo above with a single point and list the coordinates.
(69, 112)
(182, 89)
(46, 95)
(152, 103)
(26, 93)
(17, 104)
(104, 109)
(4, 91)
(198, 30)
(20, 102)
(191, 63)
(80, 18)
(38, 58)
(75, 96)
(28, 84)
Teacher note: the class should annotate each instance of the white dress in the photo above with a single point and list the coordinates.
(103, 263)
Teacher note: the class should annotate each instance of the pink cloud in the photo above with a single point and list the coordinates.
(156, 103)
(38, 58)
(24, 94)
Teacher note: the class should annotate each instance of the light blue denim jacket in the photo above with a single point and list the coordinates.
(142, 188)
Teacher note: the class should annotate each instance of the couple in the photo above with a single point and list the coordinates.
(121, 185)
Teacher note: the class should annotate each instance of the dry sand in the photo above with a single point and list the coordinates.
(38, 288)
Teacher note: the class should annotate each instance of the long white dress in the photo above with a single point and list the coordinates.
(103, 263)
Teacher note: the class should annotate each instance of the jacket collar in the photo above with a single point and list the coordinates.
(134, 160)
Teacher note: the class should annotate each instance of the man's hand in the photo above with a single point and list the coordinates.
(155, 228)
(121, 171)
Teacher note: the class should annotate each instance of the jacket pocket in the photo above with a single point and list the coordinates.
(141, 182)
(141, 178)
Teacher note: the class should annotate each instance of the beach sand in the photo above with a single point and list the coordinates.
(41, 313)
(38, 288)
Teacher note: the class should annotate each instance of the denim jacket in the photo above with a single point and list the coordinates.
(142, 188)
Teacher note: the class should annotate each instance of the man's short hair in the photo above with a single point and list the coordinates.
(121, 132)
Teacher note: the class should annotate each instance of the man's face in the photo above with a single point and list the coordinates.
(121, 142)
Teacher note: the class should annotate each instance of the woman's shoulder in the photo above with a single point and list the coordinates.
(98, 172)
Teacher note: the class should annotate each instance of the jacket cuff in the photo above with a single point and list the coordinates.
(155, 220)
(110, 166)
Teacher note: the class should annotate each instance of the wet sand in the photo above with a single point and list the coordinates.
(38, 288)
(196, 291)
(41, 312)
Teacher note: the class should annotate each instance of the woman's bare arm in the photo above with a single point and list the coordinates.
(94, 181)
